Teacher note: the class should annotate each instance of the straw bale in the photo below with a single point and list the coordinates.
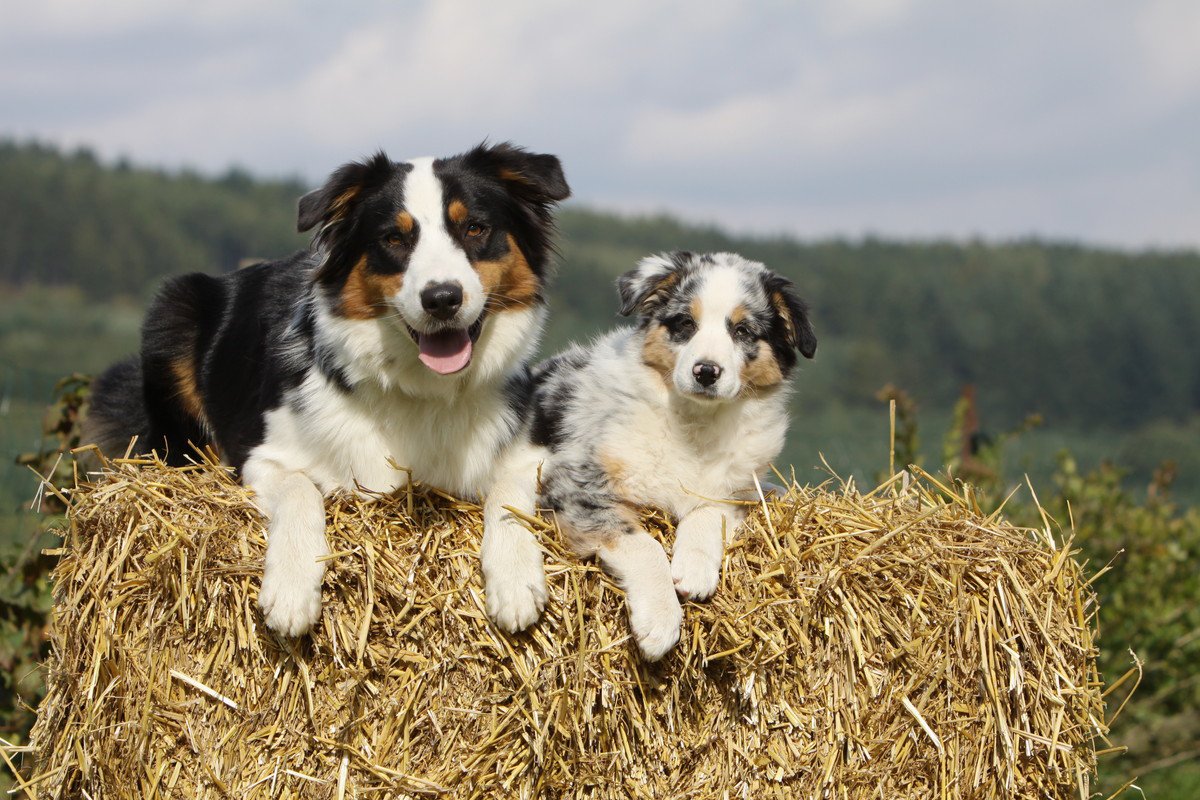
(895, 644)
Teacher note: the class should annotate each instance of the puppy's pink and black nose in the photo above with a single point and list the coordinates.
(706, 373)
(442, 300)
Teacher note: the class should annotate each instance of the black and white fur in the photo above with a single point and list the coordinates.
(679, 413)
(400, 336)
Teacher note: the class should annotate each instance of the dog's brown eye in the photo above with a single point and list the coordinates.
(743, 331)
(394, 239)
(682, 325)
(475, 230)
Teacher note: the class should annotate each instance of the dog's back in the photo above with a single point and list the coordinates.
(170, 396)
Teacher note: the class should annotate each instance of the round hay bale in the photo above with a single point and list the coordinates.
(889, 645)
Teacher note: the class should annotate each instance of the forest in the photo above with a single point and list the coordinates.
(1072, 365)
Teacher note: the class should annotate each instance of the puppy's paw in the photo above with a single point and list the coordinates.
(655, 622)
(290, 599)
(695, 572)
(515, 583)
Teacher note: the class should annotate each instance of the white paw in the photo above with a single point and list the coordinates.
(515, 583)
(695, 572)
(290, 598)
(655, 621)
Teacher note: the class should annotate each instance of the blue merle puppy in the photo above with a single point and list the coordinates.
(678, 413)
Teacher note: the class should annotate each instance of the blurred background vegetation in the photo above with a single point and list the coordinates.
(1074, 366)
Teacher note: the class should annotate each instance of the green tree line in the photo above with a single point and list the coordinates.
(68, 219)
(1079, 334)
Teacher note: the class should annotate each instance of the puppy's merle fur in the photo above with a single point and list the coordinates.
(679, 413)
(401, 335)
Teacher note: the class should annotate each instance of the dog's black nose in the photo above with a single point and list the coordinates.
(441, 300)
(706, 373)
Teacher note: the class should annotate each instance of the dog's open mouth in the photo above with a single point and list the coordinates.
(447, 351)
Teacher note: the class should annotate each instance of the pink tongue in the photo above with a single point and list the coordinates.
(445, 352)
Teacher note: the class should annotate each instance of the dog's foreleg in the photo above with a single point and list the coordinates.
(699, 548)
(640, 565)
(513, 576)
(290, 597)
(598, 523)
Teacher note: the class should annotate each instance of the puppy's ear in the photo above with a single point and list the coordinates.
(534, 178)
(339, 194)
(648, 285)
(792, 312)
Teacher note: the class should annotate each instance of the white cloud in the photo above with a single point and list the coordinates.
(79, 20)
(1169, 33)
(857, 16)
(807, 121)
(897, 115)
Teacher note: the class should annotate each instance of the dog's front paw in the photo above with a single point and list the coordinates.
(515, 582)
(695, 572)
(655, 622)
(290, 599)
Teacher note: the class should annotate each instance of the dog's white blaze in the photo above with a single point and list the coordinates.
(437, 258)
(719, 295)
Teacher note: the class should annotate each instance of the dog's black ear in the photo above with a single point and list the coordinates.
(345, 186)
(648, 285)
(793, 313)
(533, 178)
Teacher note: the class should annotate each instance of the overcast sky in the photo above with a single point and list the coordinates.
(1076, 120)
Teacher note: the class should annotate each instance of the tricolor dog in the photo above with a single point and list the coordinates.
(401, 335)
(678, 413)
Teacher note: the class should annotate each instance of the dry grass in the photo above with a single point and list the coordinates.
(889, 645)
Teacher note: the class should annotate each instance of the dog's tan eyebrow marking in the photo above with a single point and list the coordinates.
(457, 211)
(738, 314)
(696, 308)
(405, 222)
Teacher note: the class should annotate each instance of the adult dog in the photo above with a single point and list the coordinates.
(399, 337)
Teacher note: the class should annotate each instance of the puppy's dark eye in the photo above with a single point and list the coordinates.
(681, 325)
(394, 239)
(743, 331)
(475, 229)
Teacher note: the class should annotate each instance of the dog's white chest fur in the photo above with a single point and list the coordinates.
(343, 441)
(675, 454)
(673, 463)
